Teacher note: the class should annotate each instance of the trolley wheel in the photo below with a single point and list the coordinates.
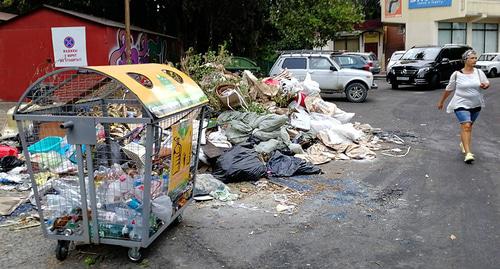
(134, 254)
(62, 249)
(177, 220)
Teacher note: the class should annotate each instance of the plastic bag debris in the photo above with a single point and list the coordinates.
(162, 207)
(280, 165)
(311, 87)
(205, 184)
(223, 193)
(8, 163)
(240, 163)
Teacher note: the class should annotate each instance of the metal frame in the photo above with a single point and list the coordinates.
(86, 167)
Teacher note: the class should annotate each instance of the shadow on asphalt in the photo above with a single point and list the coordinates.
(410, 88)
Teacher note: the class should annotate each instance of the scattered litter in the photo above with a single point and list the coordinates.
(288, 209)
(9, 203)
(385, 152)
(223, 193)
(203, 198)
(453, 237)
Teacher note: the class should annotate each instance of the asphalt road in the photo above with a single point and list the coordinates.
(425, 210)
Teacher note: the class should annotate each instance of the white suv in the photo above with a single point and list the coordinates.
(489, 63)
(330, 76)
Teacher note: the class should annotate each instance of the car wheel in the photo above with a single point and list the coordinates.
(356, 92)
(493, 73)
(434, 82)
(394, 85)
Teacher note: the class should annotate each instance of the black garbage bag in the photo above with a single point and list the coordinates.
(240, 163)
(106, 155)
(8, 163)
(280, 165)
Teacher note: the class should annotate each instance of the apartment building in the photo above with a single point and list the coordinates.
(438, 22)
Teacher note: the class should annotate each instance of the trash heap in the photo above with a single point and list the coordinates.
(274, 127)
(297, 123)
(258, 128)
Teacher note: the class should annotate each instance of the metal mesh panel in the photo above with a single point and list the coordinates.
(81, 93)
(56, 177)
(113, 173)
(118, 162)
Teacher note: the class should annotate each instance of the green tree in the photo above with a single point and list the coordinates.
(371, 8)
(311, 23)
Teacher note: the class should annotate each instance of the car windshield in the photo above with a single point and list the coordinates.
(428, 54)
(487, 57)
(397, 56)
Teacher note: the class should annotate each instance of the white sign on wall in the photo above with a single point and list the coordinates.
(69, 45)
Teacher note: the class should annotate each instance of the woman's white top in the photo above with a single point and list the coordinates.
(468, 94)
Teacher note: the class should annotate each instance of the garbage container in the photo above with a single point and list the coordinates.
(111, 151)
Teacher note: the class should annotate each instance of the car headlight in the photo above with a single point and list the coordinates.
(421, 72)
(392, 71)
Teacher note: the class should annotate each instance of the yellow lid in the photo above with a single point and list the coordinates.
(168, 90)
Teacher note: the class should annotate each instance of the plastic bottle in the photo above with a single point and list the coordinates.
(165, 178)
(135, 233)
(125, 231)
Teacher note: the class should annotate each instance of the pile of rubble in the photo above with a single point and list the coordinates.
(291, 132)
(258, 128)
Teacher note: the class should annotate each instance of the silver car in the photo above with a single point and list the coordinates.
(330, 76)
(371, 59)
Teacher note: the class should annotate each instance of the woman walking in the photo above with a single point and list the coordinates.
(467, 101)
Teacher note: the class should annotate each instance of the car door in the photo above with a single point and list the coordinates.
(320, 70)
(446, 68)
(297, 66)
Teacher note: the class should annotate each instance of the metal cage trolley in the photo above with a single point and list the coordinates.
(111, 151)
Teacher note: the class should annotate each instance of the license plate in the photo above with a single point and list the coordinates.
(402, 78)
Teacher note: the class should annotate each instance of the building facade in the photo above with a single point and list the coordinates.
(29, 50)
(439, 22)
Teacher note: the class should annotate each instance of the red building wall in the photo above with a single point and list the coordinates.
(26, 51)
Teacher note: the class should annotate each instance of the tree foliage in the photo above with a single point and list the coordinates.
(248, 28)
(311, 23)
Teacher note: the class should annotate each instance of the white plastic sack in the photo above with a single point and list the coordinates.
(310, 86)
(219, 139)
(316, 104)
(321, 122)
(301, 120)
(340, 134)
(291, 86)
(344, 118)
(162, 207)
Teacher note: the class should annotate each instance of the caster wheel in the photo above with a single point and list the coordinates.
(62, 249)
(134, 255)
(178, 220)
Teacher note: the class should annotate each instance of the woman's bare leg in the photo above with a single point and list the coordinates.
(466, 135)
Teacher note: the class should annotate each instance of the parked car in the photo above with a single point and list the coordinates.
(394, 58)
(239, 64)
(330, 76)
(489, 63)
(427, 66)
(370, 58)
(351, 61)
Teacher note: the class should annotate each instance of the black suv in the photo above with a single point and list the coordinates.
(427, 66)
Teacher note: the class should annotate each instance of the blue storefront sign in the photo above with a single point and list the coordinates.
(428, 3)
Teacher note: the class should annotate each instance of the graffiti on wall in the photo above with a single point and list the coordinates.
(144, 49)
